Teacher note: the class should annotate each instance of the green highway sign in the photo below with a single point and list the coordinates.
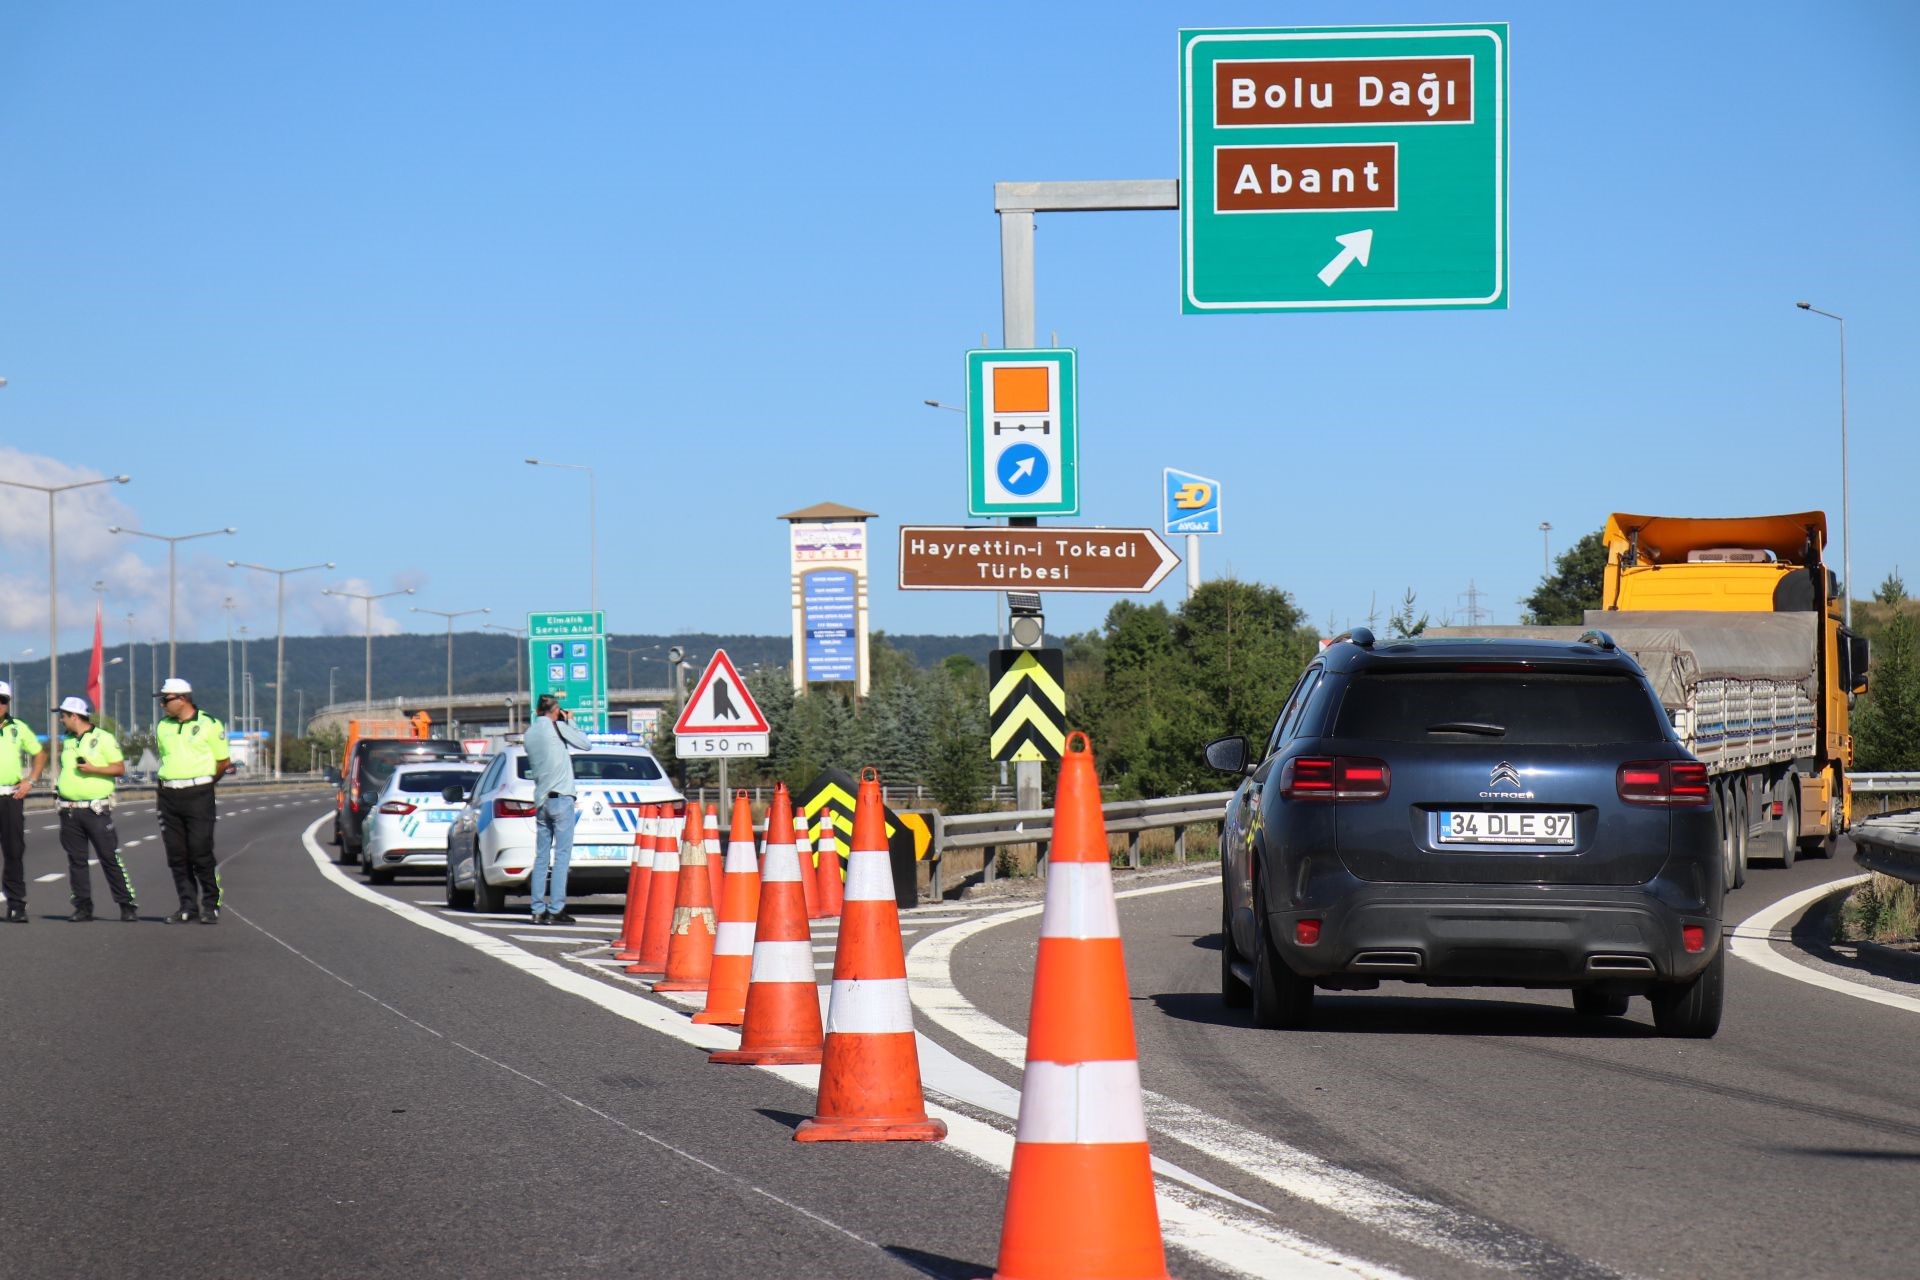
(1023, 433)
(567, 657)
(1342, 169)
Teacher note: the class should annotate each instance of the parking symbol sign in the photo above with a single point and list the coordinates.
(556, 651)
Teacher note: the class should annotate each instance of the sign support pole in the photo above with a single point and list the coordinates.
(1016, 203)
(1193, 564)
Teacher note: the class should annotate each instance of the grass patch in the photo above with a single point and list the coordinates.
(1884, 910)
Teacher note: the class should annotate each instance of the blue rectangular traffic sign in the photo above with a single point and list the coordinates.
(1192, 502)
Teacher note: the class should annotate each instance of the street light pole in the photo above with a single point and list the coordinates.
(593, 524)
(1546, 551)
(280, 646)
(519, 634)
(227, 607)
(368, 601)
(1846, 508)
(450, 615)
(173, 576)
(133, 694)
(330, 671)
(53, 588)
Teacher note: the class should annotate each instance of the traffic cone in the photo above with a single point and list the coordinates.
(733, 941)
(626, 944)
(869, 1064)
(690, 946)
(781, 1022)
(660, 894)
(803, 850)
(716, 863)
(827, 891)
(1080, 1197)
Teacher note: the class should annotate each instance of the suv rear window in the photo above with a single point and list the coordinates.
(433, 781)
(1522, 709)
(588, 768)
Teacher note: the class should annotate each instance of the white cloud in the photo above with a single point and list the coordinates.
(135, 572)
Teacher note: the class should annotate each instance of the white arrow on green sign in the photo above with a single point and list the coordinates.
(1343, 169)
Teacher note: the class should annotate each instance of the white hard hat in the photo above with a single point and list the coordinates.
(78, 706)
(6, 690)
(174, 684)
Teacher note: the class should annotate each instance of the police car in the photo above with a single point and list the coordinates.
(406, 829)
(490, 844)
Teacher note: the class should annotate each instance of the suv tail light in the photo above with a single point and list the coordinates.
(396, 807)
(1681, 782)
(515, 809)
(1335, 778)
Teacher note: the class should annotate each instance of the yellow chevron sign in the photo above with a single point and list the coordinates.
(1027, 704)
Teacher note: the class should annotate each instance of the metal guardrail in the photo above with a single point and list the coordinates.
(988, 832)
(1886, 783)
(1890, 846)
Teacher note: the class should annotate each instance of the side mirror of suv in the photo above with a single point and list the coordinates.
(1228, 755)
(454, 794)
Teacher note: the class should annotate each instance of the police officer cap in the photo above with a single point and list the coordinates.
(77, 706)
(173, 685)
(6, 691)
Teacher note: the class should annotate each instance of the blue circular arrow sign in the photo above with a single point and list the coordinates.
(1022, 469)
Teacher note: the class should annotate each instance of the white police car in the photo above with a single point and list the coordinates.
(490, 844)
(406, 830)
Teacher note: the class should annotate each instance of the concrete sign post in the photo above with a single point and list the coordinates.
(1335, 169)
(567, 656)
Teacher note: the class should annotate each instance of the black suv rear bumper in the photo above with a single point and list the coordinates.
(1536, 935)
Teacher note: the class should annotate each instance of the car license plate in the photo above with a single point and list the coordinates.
(1505, 827)
(602, 852)
(442, 815)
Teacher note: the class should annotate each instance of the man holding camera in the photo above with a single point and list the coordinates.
(550, 740)
(90, 760)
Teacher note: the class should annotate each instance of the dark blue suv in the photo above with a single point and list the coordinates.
(1463, 812)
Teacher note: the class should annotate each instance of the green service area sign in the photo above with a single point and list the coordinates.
(1343, 169)
(567, 657)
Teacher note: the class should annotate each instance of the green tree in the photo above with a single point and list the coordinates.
(1886, 725)
(1564, 596)
(1404, 624)
(1893, 590)
(957, 770)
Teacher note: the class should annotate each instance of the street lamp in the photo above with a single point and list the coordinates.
(1546, 551)
(450, 615)
(25, 653)
(133, 679)
(519, 691)
(280, 646)
(330, 671)
(368, 601)
(53, 586)
(1846, 537)
(641, 653)
(173, 545)
(227, 607)
(593, 526)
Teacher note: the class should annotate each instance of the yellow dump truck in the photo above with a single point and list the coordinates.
(1738, 622)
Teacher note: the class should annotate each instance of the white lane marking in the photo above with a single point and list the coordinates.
(1296, 1172)
(1751, 940)
(535, 1081)
(1235, 1241)
(50, 877)
(542, 937)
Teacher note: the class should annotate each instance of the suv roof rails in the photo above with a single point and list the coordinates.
(1360, 636)
(1599, 640)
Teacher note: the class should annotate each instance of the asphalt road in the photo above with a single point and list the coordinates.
(1534, 1141)
(319, 1087)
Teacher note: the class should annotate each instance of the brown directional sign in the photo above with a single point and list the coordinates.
(949, 558)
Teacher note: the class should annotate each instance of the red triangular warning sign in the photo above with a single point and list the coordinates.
(720, 702)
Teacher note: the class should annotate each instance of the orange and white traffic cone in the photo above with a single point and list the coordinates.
(733, 941)
(803, 849)
(869, 1064)
(1080, 1197)
(690, 947)
(781, 1022)
(716, 862)
(633, 921)
(660, 894)
(828, 893)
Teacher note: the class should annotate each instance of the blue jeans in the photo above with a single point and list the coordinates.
(552, 840)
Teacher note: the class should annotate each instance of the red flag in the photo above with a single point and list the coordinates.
(95, 691)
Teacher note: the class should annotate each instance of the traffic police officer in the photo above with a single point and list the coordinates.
(90, 760)
(193, 757)
(23, 757)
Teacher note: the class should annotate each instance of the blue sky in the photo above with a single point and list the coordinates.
(327, 273)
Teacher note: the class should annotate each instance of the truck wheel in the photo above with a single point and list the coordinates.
(1790, 827)
(1740, 832)
(1589, 1003)
(1820, 846)
(1234, 993)
(1691, 1010)
(1723, 822)
(1281, 998)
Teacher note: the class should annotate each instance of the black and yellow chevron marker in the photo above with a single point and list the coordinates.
(1027, 704)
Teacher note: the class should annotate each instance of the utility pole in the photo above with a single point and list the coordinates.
(1472, 595)
(450, 615)
(368, 600)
